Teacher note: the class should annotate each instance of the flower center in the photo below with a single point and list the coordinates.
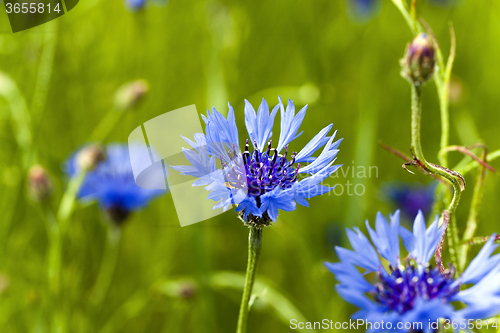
(400, 290)
(263, 171)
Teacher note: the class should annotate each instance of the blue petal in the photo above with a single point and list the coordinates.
(364, 254)
(290, 123)
(482, 264)
(325, 158)
(250, 206)
(259, 126)
(346, 274)
(313, 145)
(277, 199)
(386, 238)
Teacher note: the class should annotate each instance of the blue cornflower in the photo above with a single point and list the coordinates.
(138, 5)
(362, 10)
(111, 183)
(411, 290)
(263, 179)
(411, 198)
(135, 5)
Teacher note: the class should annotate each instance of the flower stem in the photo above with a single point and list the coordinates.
(106, 125)
(108, 266)
(57, 231)
(477, 196)
(254, 247)
(416, 111)
(445, 123)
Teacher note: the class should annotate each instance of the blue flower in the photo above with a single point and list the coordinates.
(138, 5)
(135, 5)
(112, 183)
(362, 10)
(262, 180)
(411, 291)
(411, 198)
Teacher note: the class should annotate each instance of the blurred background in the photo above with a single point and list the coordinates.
(59, 81)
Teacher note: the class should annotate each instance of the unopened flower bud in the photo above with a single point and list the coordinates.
(39, 183)
(130, 94)
(89, 157)
(419, 61)
(187, 290)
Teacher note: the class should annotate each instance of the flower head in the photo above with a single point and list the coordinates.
(89, 157)
(419, 61)
(362, 10)
(132, 93)
(112, 183)
(411, 290)
(411, 198)
(135, 5)
(40, 185)
(264, 178)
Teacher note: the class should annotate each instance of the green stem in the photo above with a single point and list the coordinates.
(55, 250)
(69, 198)
(44, 74)
(254, 248)
(412, 24)
(445, 123)
(106, 125)
(472, 165)
(108, 266)
(471, 226)
(419, 155)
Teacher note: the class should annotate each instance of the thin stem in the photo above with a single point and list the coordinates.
(68, 200)
(106, 125)
(55, 250)
(472, 165)
(445, 123)
(402, 6)
(477, 196)
(481, 240)
(444, 92)
(108, 266)
(254, 247)
(434, 169)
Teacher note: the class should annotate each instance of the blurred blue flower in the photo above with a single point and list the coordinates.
(413, 291)
(410, 198)
(112, 183)
(135, 5)
(263, 179)
(362, 10)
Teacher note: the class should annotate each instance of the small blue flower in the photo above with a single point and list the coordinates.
(262, 180)
(362, 10)
(135, 5)
(138, 5)
(411, 198)
(413, 291)
(112, 183)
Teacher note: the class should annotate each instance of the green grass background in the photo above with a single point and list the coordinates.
(207, 53)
